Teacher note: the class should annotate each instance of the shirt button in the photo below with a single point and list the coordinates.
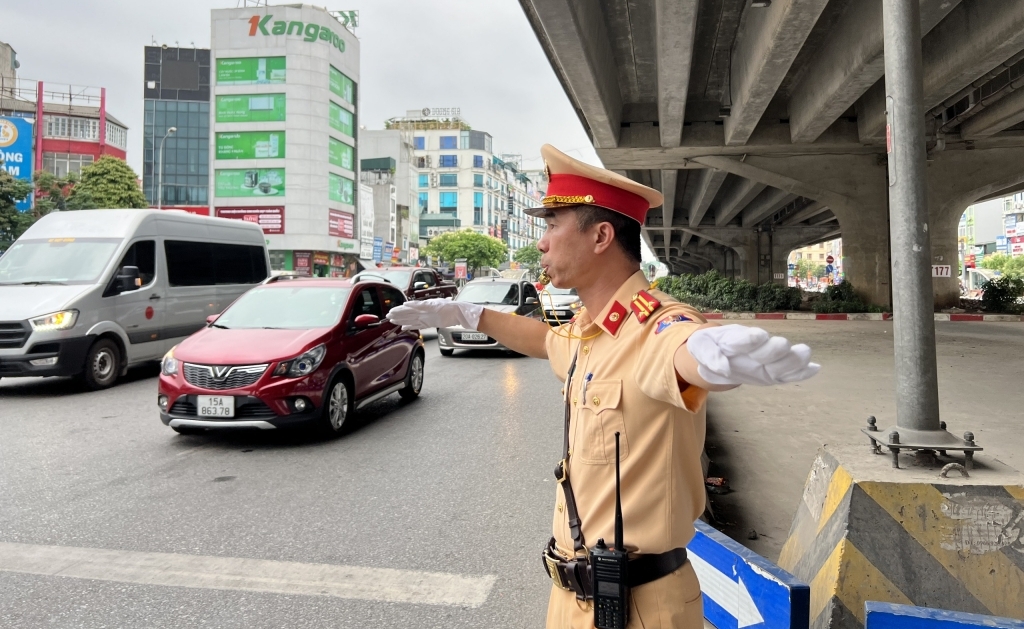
(559, 508)
(574, 401)
(586, 349)
(596, 401)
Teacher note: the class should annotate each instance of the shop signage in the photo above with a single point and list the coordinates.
(343, 86)
(265, 25)
(340, 154)
(1002, 245)
(16, 153)
(460, 270)
(366, 251)
(1010, 224)
(303, 262)
(250, 145)
(442, 112)
(250, 107)
(365, 210)
(341, 224)
(389, 249)
(414, 253)
(249, 182)
(348, 19)
(270, 219)
(251, 71)
(321, 259)
(347, 245)
(337, 259)
(341, 189)
(378, 249)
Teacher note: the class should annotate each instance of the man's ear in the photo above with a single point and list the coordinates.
(604, 237)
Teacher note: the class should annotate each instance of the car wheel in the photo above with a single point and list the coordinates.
(338, 406)
(413, 377)
(447, 352)
(102, 365)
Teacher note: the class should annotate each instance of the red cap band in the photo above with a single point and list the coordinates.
(565, 189)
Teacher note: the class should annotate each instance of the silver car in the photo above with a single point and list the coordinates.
(504, 295)
(560, 304)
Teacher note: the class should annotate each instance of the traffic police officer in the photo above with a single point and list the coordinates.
(636, 363)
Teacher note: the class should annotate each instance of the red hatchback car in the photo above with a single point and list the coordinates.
(289, 352)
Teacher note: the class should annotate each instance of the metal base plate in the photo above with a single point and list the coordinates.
(920, 440)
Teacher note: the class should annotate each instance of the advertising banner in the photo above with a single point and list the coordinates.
(340, 154)
(378, 249)
(342, 120)
(341, 189)
(270, 219)
(321, 259)
(248, 182)
(1010, 224)
(251, 71)
(250, 145)
(16, 152)
(343, 86)
(366, 251)
(389, 250)
(303, 262)
(250, 108)
(365, 209)
(340, 224)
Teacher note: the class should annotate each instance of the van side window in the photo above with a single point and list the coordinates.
(143, 255)
(209, 264)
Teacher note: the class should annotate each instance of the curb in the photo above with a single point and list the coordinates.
(856, 316)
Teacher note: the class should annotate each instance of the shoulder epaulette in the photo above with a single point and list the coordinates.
(644, 304)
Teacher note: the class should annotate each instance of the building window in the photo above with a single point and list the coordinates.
(821, 256)
(449, 181)
(449, 201)
(478, 208)
(419, 143)
(478, 180)
(60, 164)
(75, 128)
(424, 181)
(424, 200)
(117, 136)
(478, 161)
(449, 142)
(448, 161)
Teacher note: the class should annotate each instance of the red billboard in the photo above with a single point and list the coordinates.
(270, 218)
(340, 224)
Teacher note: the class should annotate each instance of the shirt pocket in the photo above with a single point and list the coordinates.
(600, 418)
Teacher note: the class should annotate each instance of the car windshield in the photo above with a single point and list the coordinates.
(57, 260)
(291, 307)
(490, 293)
(398, 278)
(560, 291)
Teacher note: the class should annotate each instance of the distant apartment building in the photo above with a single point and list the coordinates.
(389, 159)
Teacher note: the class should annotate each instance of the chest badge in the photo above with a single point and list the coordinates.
(644, 304)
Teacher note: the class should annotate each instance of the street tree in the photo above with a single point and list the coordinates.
(108, 183)
(478, 250)
(1004, 263)
(12, 222)
(805, 268)
(529, 257)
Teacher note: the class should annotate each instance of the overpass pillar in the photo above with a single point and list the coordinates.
(865, 234)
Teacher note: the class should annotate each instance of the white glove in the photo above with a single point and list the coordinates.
(436, 313)
(737, 354)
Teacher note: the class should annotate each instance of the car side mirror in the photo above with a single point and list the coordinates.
(129, 279)
(364, 321)
(531, 301)
(420, 286)
(212, 318)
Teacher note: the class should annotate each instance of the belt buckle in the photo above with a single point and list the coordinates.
(562, 467)
(551, 563)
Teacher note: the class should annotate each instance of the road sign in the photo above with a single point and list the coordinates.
(829, 269)
(742, 588)
(830, 259)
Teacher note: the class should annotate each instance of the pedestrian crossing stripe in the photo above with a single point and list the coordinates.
(950, 546)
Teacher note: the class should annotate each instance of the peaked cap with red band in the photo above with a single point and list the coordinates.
(571, 182)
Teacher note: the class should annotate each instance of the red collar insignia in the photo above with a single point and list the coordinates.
(644, 305)
(615, 318)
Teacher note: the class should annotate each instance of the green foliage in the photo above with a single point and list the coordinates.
(529, 257)
(806, 267)
(714, 291)
(1002, 262)
(108, 183)
(53, 192)
(12, 222)
(478, 250)
(1001, 294)
(842, 298)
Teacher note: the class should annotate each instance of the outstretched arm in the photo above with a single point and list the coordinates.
(722, 357)
(520, 334)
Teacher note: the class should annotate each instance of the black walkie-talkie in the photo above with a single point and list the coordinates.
(609, 567)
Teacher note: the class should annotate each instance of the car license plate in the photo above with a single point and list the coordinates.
(474, 336)
(215, 405)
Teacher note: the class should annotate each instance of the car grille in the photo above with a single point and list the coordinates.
(205, 376)
(245, 408)
(459, 339)
(13, 334)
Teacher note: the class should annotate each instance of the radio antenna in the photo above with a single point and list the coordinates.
(619, 545)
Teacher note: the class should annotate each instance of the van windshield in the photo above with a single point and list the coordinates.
(57, 260)
(292, 307)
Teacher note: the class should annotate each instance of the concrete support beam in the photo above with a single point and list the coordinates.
(687, 236)
(848, 65)
(766, 45)
(708, 184)
(668, 189)
(738, 198)
(811, 210)
(799, 187)
(1004, 113)
(574, 36)
(676, 22)
(764, 206)
(975, 37)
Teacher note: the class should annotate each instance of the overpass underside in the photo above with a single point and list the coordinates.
(765, 127)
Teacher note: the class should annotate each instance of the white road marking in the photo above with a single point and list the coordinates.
(254, 575)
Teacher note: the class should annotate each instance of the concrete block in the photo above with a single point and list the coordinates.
(867, 532)
(865, 316)
(997, 317)
(802, 316)
(739, 315)
(942, 316)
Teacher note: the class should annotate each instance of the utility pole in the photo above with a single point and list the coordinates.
(160, 169)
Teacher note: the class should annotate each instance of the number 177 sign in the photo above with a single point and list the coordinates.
(942, 270)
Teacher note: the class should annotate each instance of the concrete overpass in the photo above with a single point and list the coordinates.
(765, 126)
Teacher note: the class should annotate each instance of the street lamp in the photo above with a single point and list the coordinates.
(160, 169)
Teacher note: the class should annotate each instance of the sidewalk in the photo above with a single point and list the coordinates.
(764, 439)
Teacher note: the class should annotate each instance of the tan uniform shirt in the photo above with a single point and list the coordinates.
(631, 388)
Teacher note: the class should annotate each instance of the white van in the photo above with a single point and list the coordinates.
(94, 292)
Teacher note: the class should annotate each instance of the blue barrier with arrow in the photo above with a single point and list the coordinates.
(743, 589)
(892, 616)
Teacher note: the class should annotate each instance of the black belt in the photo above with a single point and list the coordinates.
(574, 574)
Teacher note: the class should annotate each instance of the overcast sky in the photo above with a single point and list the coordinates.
(479, 55)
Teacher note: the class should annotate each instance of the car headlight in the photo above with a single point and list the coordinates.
(169, 364)
(63, 320)
(302, 365)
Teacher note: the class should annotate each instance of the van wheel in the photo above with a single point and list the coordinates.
(447, 352)
(102, 365)
(339, 406)
(413, 378)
